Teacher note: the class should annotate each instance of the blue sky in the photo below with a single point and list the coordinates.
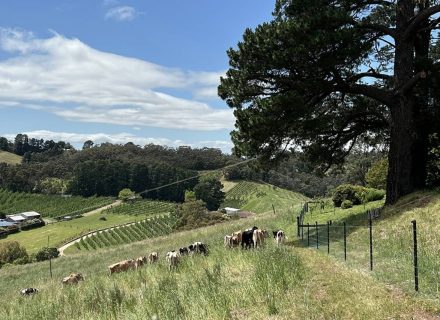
(118, 71)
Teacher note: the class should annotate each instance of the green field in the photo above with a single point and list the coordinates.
(269, 283)
(142, 207)
(9, 158)
(258, 198)
(35, 239)
(49, 205)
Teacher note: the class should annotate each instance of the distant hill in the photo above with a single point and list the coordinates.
(259, 198)
(9, 158)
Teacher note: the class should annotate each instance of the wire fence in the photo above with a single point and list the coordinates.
(406, 256)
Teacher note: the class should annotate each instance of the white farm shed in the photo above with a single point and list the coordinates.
(230, 210)
(31, 215)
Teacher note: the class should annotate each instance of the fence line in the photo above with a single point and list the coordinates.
(403, 265)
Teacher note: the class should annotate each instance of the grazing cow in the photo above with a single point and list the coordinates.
(122, 266)
(199, 248)
(139, 262)
(235, 242)
(153, 257)
(173, 259)
(246, 238)
(279, 236)
(238, 234)
(228, 241)
(258, 238)
(73, 278)
(183, 251)
(28, 291)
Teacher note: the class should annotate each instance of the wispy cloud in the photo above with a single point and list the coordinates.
(77, 139)
(122, 13)
(74, 81)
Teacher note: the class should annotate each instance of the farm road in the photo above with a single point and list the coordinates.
(114, 204)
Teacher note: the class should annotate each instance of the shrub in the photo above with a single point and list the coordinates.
(46, 254)
(346, 204)
(376, 177)
(356, 194)
(11, 251)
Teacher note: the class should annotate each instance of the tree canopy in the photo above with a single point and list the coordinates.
(325, 74)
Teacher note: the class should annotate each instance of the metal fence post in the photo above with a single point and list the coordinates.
(370, 222)
(302, 231)
(328, 237)
(308, 234)
(345, 242)
(416, 266)
(317, 235)
(297, 224)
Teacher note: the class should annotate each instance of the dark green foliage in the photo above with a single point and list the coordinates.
(11, 251)
(376, 177)
(209, 190)
(346, 204)
(194, 214)
(46, 254)
(356, 194)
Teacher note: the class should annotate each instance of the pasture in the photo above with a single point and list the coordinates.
(272, 282)
(258, 198)
(9, 158)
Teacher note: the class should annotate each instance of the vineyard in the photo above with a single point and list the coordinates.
(144, 207)
(258, 197)
(48, 205)
(149, 228)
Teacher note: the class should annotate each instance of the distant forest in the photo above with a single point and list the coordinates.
(105, 169)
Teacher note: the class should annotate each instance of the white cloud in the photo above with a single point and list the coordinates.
(77, 139)
(74, 81)
(121, 13)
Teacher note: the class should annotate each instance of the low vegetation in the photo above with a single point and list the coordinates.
(48, 205)
(141, 207)
(9, 158)
(355, 194)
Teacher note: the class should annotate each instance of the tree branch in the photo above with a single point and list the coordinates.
(381, 95)
(372, 74)
(415, 22)
(411, 83)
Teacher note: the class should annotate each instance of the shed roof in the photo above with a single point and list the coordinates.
(4, 223)
(16, 217)
(30, 214)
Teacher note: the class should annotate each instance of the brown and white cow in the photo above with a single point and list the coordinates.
(238, 234)
(173, 259)
(153, 257)
(73, 278)
(235, 242)
(258, 238)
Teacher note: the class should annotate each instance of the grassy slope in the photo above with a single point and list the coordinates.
(392, 242)
(9, 158)
(263, 196)
(35, 239)
(287, 283)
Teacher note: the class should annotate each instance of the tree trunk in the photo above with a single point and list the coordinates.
(401, 158)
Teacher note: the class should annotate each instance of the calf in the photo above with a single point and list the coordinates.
(73, 278)
(153, 257)
(279, 236)
(227, 241)
(28, 291)
(235, 242)
(139, 262)
(122, 266)
(173, 259)
(246, 239)
(238, 234)
(258, 238)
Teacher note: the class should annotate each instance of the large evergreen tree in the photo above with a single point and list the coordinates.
(324, 74)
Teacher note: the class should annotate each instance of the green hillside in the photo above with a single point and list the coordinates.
(258, 198)
(9, 158)
(269, 283)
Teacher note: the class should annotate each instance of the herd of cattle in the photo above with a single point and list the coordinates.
(249, 238)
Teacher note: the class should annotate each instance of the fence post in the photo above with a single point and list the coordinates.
(302, 231)
(370, 222)
(308, 234)
(274, 213)
(345, 242)
(416, 267)
(297, 224)
(317, 235)
(328, 237)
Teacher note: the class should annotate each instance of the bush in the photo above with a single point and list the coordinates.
(346, 204)
(11, 251)
(46, 254)
(356, 194)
